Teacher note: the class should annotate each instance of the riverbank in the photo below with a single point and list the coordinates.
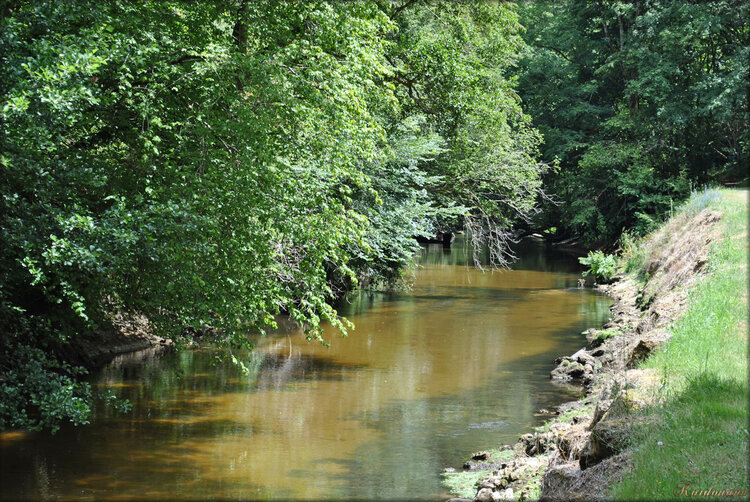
(128, 333)
(648, 426)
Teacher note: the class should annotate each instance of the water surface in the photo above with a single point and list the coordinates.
(459, 363)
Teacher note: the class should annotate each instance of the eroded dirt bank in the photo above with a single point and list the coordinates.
(128, 333)
(578, 454)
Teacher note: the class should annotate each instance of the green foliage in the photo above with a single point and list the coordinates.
(605, 334)
(639, 102)
(152, 159)
(220, 163)
(603, 266)
(464, 484)
(451, 62)
(37, 390)
(632, 255)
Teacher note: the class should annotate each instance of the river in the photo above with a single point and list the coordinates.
(459, 363)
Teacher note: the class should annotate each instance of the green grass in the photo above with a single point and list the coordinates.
(567, 417)
(606, 334)
(703, 423)
(633, 255)
(463, 484)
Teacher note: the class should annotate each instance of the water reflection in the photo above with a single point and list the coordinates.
(459, 363)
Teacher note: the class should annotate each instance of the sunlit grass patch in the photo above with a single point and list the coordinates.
(699, 439)
(709, 338)
(699, 436)
(567, 417)
(464, 483)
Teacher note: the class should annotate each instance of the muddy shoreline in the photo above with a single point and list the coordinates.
(128, 333)
(582, 451)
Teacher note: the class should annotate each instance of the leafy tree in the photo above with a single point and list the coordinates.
(155, 163)
(452, 63)
(209, 164)
(638, 101)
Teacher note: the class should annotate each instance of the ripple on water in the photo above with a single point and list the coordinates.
(495, 424)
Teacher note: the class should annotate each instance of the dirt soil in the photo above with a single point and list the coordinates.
(581, 452)
(129, 333)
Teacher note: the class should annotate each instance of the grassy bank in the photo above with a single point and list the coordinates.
(697, 439)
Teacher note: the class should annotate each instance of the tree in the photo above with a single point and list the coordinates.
(153, 164)
(639, 101)
(452, 64)
(211, 164)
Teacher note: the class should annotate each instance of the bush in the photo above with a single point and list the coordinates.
(701, 200)
(603, 266)
(633, 255)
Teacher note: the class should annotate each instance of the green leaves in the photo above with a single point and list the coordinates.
(451, 65)
(210, 166)
(602, 266)
(638, 101)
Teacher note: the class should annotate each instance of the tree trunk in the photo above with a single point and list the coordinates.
(239, 34)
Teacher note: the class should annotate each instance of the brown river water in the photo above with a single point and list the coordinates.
(457, 364)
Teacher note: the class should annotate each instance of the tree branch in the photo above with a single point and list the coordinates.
(403, 7)
(557, 51)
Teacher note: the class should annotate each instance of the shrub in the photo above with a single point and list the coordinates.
(633, 254)
(603, 266)
(701, 200)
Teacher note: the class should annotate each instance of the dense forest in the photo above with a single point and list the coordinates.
(640, 102)
(214, 164)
